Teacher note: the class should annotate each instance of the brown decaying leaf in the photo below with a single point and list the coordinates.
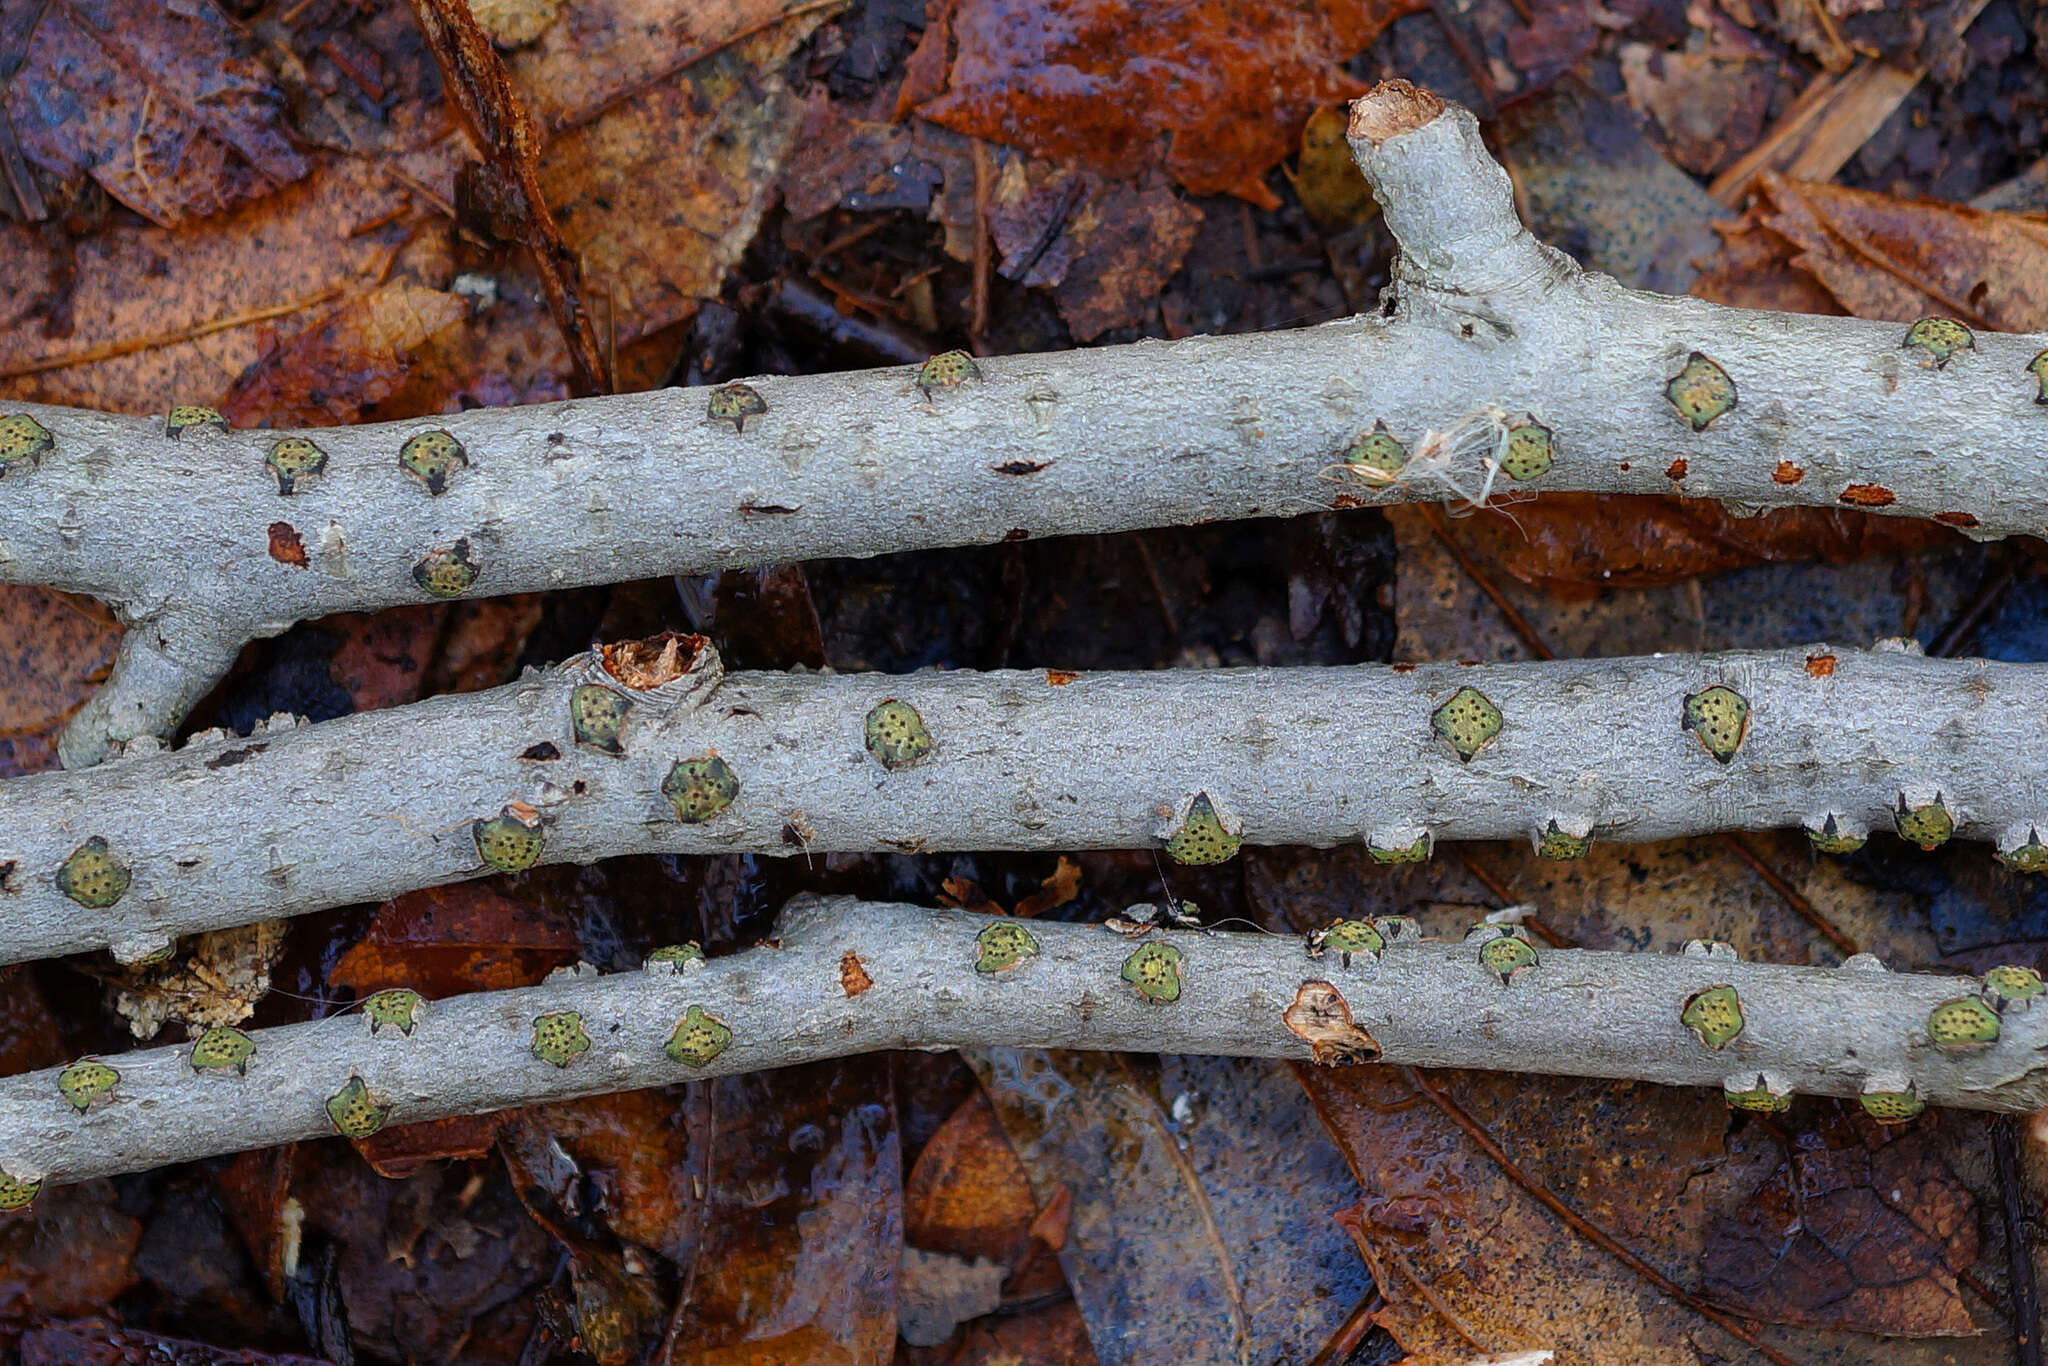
(54, 650)
(98, 1342)
(1215, 90)
(163, 104)
(1898, 259)
(448, 940)
(1326, 176)
(968, 1194)
(356, 356)
(216, 978)
(1321, 1018)
(1709, 109)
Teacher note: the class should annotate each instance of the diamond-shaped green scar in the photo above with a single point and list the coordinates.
(23, 440)
(947, 370)
(1507, 957)
(92, 876)
(1940, 338)
(395, 1008)
(352, 1111)
(433, 458)
(1832, 837)
(1714, 1015)
(447, 573)
(1891, 1107)
(896, 735)
(1528, 453)
(558, 1037)
(1154, 969)
(1004, 945)
(1468, 720)
(2031, 857)
(1701, 391)
(735, 403)
(17, 1194)
(1377, 456)
(1928, 826)
(86, 1081)
(700, 788)
(1759, 1098)
(697, 1039)
(674, 957)
(1719, 716)
(510, 842)
(1346, 938)
(1202, 836)
(190, 417)
(294, 459)
(2010, 987)
(598, 716)
(1963, 1023)
(223, 1048)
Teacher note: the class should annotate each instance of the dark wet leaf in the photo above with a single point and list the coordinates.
(55, 649)
(71, 1253)
(351, 359)
(164, 105)
(96, 1342)
(447, 940)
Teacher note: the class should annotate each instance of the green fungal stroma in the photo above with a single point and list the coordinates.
(1417, 852)
(1346, 939)
(223, 1048)
(511, 841)
(1377, 456)
(1891, 1107)
(1719, 718)
(597, 715)
(186, 418)
(558, 1037)
(1701, 391)
(1929, 825)
(2031, 857)
(1468, 721)
(2010, 986)
(698, 789)
(1528, 452)
(697, 1038)
(23, 441)
(1507, 957)
(735, 403)
(353, 1112)
(1965, 1022)
(1832, 837)
(1202, 838)
(17, 1194)
(1153, 970)
(1002, 946)
(446, 573)
(394, 1008)
(947, 370)
(1760, 1098)
(293, 460)
(1714, 1016)
(86, 1081)
(675, 957)
(896, 735)
(433, 458)
(1940, 338)
(92, 876)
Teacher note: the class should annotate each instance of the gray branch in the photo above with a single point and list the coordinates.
(846, 977)
(577, 764)
(1498, 369)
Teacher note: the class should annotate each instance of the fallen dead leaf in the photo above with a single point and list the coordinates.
(444, 941)
(1326, 176)
(55, 648)
(1214, 91)
(968, 1194)
(336, 367)
(165, 105)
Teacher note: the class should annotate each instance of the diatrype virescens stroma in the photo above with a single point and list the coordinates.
(223, 1048)
(92, 876)
(947, 370)
(1528, 452)
(2009, 987)
(1468, 721)
(1758, 1095)
(511, 841)
(1346, 939)
(395, 1008)
(698, 789)
(1154, 971)
(1700, 392)
(735, 403)
(1202, 836)
(1719, 716)
(1964, 1023)
(598, 716)
(15, 1194)
(1416, 851)
(1003, 945)
(2030, 857)
(675, 957)
(1928, 825)
(896, 735)
(1377, 456)
(447, 573)
(1714, 1016)
(189, 418)
(23, 441)
(85, 1082)
(697, 1038)
(1891, 1107)
(1507, 957)
(558, 1037)
(294, 460)
(1556, 842)
(1833, 836)
(1940, 339)
(433, 458)
(353, 1112)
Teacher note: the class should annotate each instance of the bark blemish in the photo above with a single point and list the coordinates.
(853, 975)
(1868, 496)
(1787, 473)
(1321, 1018)
(1020, 466)
(1820, 666)
(286, 545)
(1956, 519)
(1676, 470)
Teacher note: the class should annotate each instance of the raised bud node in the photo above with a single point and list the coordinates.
(189, 419)
(1153, 970)
(92, 876)
(735, 403)
(1757, 1093)
(558, 1038)
(512, 841)
(87, 1082)
(395, 1009)
(1939, 340)
(947, 370)
(2030, 857)
(1203, 835)
(1002, 946)
(1468, 721)
(697, 1038)
(1714, 1016)
(223, 1048)
(1833, 835)
(23, 441)
(294, 460)
(353, 1112)
(1700, 392)
(896, 735)
(1414, 851)
(698, 789)
(1719, 717)
(433, 458)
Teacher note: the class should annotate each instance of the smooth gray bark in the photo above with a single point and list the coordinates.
(229, 831)
(1486, 330)
(1807, 1031)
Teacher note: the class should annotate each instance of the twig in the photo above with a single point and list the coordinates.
(935, 980)
(1556, 380)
